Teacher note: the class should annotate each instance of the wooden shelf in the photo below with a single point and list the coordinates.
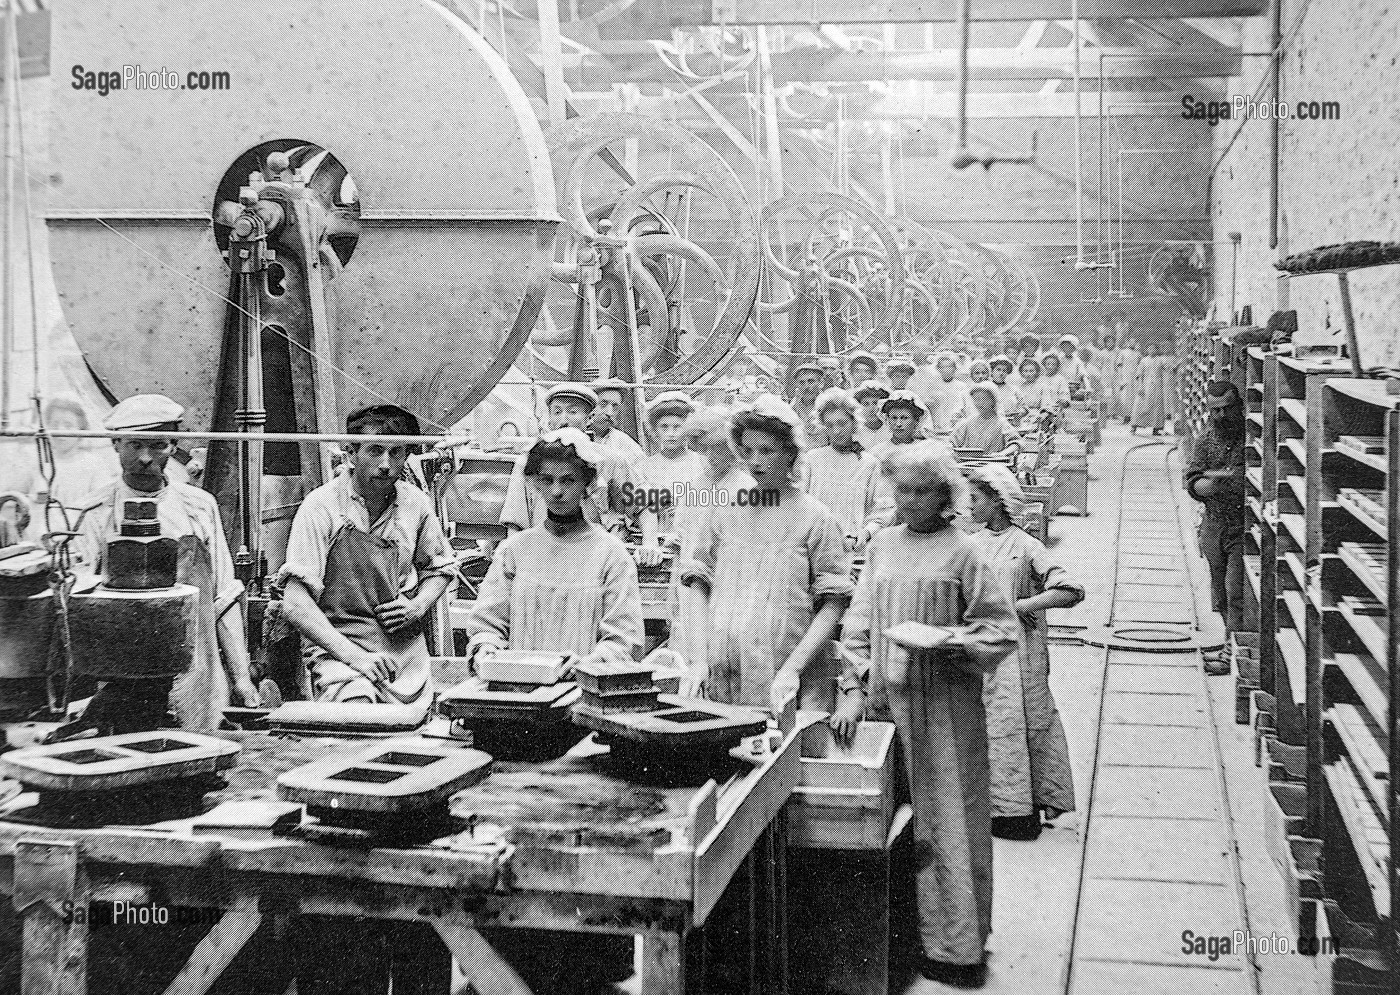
(1299, 486)
(1361, 449)
(1294, 562)
(1298, 450)
(1256, 417)
(1368, 624)
(1365, 391)
(1297, 528)
(1290, 648)
(1366, 506)
(1367, 835)
(1255, 476)
(1295, 409)
(1360, 737)
(1367, 562)
(1367, 680)
(1297, 608)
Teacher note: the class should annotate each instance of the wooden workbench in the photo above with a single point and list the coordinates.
(566, 845)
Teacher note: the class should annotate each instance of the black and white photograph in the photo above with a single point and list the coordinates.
(699, 497)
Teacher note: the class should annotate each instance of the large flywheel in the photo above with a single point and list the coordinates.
(383, 127)
(674, 255)
(842, 269)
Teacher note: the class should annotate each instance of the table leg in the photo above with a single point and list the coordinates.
(51, 896)
(663, 964)
(778, 940)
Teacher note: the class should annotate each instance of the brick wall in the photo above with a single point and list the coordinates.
(1339, 180)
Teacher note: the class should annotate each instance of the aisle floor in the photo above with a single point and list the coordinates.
(1166, 777)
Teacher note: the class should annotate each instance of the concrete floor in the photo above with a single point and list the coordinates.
(1176, 795)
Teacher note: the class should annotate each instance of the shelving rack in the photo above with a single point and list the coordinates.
(1354, 620)
(1292, 388)
(1261, 472)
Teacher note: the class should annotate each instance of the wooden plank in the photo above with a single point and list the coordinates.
(922, 11)
(663, 964)
(719, 855)
(55, 951)
(484, 969)
(218, 948)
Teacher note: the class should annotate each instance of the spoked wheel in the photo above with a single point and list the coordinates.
(684, 240)
(836, 255)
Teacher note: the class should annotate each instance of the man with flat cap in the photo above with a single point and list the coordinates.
(366, 561)
(189, 515)
(571, 405)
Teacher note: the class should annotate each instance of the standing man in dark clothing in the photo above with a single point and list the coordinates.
(1215, 477)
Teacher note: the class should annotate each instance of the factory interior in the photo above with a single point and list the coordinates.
(730, 497)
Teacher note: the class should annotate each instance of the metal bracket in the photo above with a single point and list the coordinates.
(45, 871)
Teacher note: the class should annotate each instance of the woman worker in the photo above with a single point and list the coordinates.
(767, 580)
(567, 584)
(986, 429)
(926, 571)
(841, 474)
(570, 586)
(1029, 754)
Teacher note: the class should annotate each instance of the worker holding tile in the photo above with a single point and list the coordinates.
(1215, 477)
(926, 571)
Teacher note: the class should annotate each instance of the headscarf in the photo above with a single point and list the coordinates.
(1002, 482)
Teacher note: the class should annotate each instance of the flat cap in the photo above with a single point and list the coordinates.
(900, 363)
(675, 402)
(809, 365)
(573, 392)
(141, 412)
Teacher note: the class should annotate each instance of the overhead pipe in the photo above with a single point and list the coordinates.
(962, 158)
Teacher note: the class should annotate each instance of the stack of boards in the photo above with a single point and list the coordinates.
(517, 706)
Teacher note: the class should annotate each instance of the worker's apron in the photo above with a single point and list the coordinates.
(362, 572)
(200, 695)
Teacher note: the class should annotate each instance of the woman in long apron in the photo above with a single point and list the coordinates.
(926, 571)
(1029, 753)
(564, 585)
(1150, 396)
(767, 579)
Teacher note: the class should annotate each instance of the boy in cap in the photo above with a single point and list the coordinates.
(674, 463)
(898, 371)
(808, 379)
(191, 517)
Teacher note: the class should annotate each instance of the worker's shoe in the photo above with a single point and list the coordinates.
(1016, 827)
(1216, 662)
(955, 975)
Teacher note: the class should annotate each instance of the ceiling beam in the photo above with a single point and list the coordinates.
(897, 107)
(913, 11)
(813, 65)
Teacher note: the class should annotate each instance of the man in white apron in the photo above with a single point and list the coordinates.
(189, 515)
(366, 560)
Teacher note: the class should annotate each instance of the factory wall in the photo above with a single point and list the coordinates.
(1338, 178)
